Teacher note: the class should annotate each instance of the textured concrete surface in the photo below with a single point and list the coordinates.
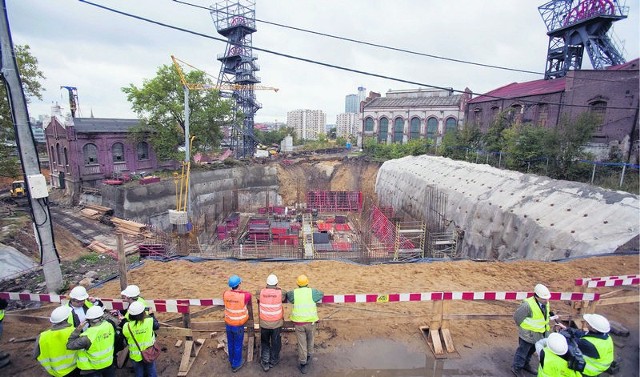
(508, 215)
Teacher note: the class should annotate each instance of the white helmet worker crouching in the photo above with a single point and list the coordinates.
(542, 291)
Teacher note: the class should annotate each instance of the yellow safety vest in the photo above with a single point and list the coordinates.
(140, 300)
(143, 331)
(595, 367)
(87, 303)
(537, 322)
(271, 304)
(54, 356)
(555, 366)
(1, 314)
(304, 308)
(100, 354)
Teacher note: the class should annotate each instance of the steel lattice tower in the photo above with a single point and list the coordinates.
(576, 25)
(236, 21)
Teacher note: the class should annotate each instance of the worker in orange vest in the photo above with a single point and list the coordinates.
(270, 301)
(237, 311)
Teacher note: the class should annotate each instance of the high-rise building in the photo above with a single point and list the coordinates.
(351, 103)
(347, 125)
(308, 124)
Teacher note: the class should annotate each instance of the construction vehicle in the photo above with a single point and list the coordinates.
(18, 189)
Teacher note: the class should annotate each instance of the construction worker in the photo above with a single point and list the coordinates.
(554, 358)
(95, 345)
(80, 302)
(4, 357)
(532, 318)
(270, 301)
(141, 327)
(596, 345)
(51, 345)
(237, 311)
(304, 316)
(129, 295)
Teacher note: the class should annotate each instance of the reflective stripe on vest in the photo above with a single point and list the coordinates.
(54, 355)
(271, 304)
(235, 310)
(304, 308)
(144, 335)
(605, 347)
(140, 300)
(100, 354)
(87, 304)
(555, 366)
(537, 322)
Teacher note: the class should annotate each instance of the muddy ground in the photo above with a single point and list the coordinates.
(378, 339)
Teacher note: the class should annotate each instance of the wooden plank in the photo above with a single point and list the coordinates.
(208, 310)
(186, 355)
(208, 326)
(619, 300)
(434, 335)
(174, 331)
(34, 320)
(448, 341)
(250, 346)
(483, 317)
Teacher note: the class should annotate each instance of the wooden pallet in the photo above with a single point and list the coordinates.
(191, 350)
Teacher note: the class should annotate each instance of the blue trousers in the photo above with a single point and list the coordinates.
(235, 336)
(143, 368)
(523, 354)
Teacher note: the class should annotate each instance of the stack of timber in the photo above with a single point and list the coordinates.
(131, 227)
(101, 248)
(95, 212)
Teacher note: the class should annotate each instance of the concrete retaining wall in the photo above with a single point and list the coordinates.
(510, 215)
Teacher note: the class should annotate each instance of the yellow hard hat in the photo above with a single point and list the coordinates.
(302, 281)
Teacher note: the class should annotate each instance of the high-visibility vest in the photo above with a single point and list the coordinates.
(1, 314)
(235, 310)
(54, 356)
(271, 304)
(143, 331)
(537, 322)
(100, 354)
(304, 308)
(87, 304)
(555, 366)
(140, 300)
(595, 367)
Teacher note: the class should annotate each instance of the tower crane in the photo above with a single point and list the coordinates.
(74, 104)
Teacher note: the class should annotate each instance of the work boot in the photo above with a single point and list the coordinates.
(265, 366)
(273, 363)
(238, 367)
(4, 362)
(304, 368)
(530, 369)
(3, 355)
(517, 372)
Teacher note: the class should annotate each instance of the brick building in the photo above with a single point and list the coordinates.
(612, 92)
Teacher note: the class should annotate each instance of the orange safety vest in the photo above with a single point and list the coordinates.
(271, 304)
(235, 310)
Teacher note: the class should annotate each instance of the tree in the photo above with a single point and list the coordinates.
(30, 76)
(526, 145)
(160, 103)
(494, 140)
(567, 145)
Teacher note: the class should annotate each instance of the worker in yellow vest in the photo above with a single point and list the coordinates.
(51, 345)
(95, 345)
(596, 345)
(554, 358)
(237, 311)
(129, 295)
(532, 318)
(304, 316)
(139, 332)
(270, 301)
(4, 357)
(80, 302)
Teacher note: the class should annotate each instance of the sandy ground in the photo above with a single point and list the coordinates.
(368, 339)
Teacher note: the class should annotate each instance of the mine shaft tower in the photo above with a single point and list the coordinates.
(576, 25)
(236, 21)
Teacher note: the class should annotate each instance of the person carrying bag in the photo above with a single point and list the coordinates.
(139, 332)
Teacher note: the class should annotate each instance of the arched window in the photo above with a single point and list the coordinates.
(432, 128)
(58, 154)
(600, 109)
(494, 112)
(398, 130)
(383, 130)
(368, 124)
(477, 117)
(142, 150)
(516, 112)
(53, 155)
(415, 128)
(90, 154)
(117, 151)
(451, 125)
(543, 114)
(66, 157)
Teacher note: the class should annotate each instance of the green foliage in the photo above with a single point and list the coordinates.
(383, 151)
(274, 137)
(30, 76)
(526, 145)
(160, 103)
(566, 145)
(493, 140)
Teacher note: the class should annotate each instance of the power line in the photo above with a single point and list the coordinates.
(288, 56)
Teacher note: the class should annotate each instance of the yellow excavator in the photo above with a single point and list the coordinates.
(17, 189)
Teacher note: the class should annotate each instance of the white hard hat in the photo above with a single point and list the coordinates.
(79, 293)
(60, 314)
(131, 291)
(135, 308)
(542, 291)
(272, 280)
(95, 312)
(598, 322)
(557, 343)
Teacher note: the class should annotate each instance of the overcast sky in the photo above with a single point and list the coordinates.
(99, 51)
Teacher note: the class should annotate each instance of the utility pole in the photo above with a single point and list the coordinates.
(35, 182)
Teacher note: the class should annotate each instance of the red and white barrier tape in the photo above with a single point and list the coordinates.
(613, 282)
(584, 281)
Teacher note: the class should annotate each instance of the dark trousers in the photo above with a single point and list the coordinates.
(523, 354)
(109, 371)
(270, 345)
(235, 337)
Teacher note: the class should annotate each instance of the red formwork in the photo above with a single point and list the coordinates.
(385, 230)
(335, 201)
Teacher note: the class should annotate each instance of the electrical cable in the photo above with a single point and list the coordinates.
(450, 89)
